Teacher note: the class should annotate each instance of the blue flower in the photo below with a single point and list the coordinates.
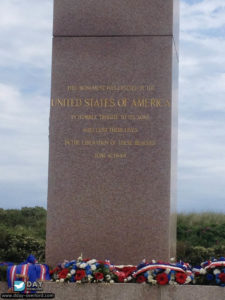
(209, 277)
(217, 279)
(179, 266)
(88, 270)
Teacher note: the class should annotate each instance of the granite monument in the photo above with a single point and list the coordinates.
(113, 131)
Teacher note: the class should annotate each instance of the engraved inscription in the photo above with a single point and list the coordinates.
(109, 121)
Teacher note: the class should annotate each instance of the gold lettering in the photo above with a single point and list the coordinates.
(145, 143)
(108, 117)
(99, 102)
(122, 102)
(168, 104)
(139, 103)
(117, 155)
(124, 143)
(71, 142)
(67, 102)
(100, 155)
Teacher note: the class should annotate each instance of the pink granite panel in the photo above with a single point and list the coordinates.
(109, 190)
(117, 17)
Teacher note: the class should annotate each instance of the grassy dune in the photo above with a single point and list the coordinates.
(200, 236)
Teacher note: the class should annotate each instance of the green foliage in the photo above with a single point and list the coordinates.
(22, 232)
(200, 237)
(19, 246)
(28, 220)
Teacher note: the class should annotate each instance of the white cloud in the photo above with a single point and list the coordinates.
(203, 15)
(24, 135)
(202, 106)
(23, 28)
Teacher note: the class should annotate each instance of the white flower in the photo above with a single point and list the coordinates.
(91, 262)
(111, 281)
(68, 275)
(78, 281)
(151, 280)
(188, 280)
(90, 277)
(202, 271)
(172, 259)
(80, 258)
(125, 280)
(108, 277)
(216, 271)
(72, 272)
(57, 280)
(129, 278)
(83, 265)
(153, 261)
(78, 264)
(93, 267)
(61, 280)
(150, 273)
(167, 271)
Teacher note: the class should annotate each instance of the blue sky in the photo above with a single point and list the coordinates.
(25, 66)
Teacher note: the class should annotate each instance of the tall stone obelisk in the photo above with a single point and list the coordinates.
(113, 130)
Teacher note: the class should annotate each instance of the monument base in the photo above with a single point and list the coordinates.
(131, 291)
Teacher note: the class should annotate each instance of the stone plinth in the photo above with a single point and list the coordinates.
(113, 131)
(116, 18)
(129, 291)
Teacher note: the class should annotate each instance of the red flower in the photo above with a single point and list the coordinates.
(141, 279)
(121, 278)
(222, 277)
(162, 279)
(99, 276)
(54, 270)
(80, 274)
(127, 270)
(63, 273)
(181, 277)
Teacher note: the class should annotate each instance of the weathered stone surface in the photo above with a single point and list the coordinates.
(128, 291)
(117, 208)
(117, 17)
(3, 287)
(104, 291)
